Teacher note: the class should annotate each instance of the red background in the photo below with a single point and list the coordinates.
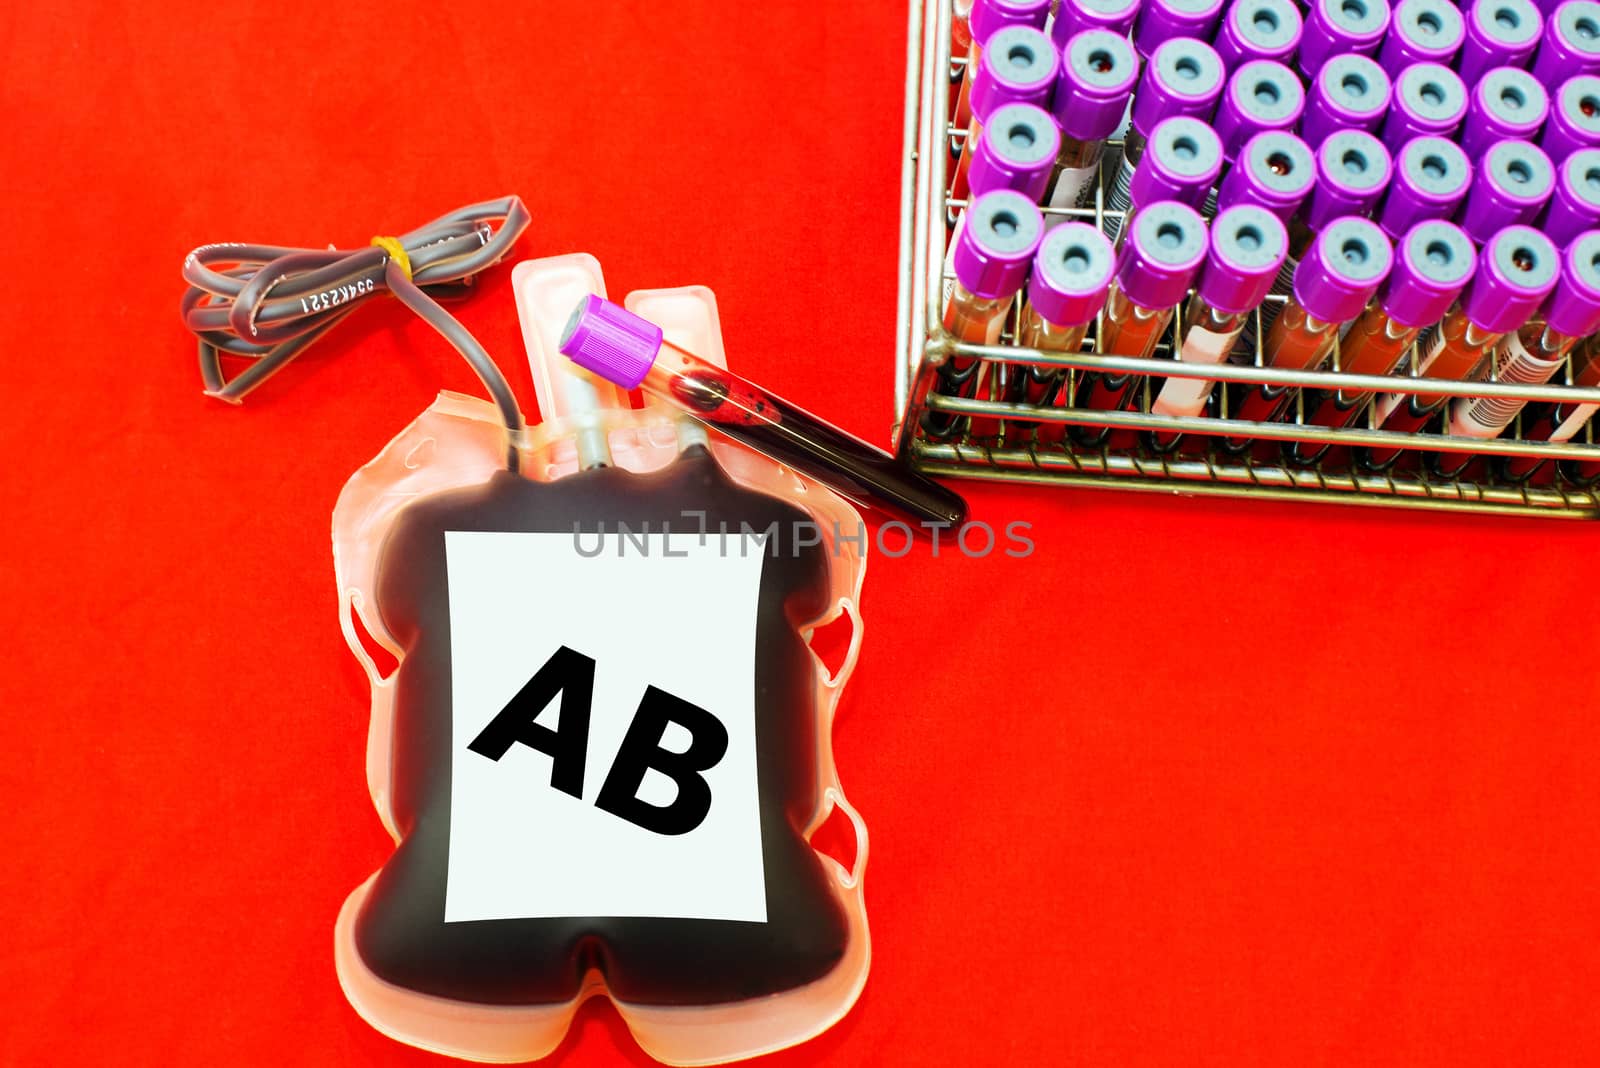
(1199, 782)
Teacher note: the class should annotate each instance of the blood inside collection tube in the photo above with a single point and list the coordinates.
(621, 347)
(1259, 29)
(1433, 262)
(1516, 271)
(1248, 245)
(1499, 33)
(1098, 72)
(1333, 285)
(1154, 271)
(1534, 352)
(1184, 78)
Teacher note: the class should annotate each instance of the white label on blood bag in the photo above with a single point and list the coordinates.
(1070, 186)
(1187, 396)
(1484, 417)
(604, 748)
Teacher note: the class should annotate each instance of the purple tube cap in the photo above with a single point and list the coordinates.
(610, 341)
(991, 16)
(1428, 98)
(1018, 148)
(1276, 171)
(1432, 176)
(1343, 268)
(1071, 273)
(1261, 95)
(998, 241)
(1574, 307)
(1075, 16)
(1181, 162)
(1183, 77)
(1165, 20)
(1019, 66)
(1422, 31)
(1515, 181)
(1571, 43)
(1506, 102)
(1433, 263)
(1353, 170)
(1248, 246)
(1259, 29)
(1349, 92)
(1517, 269)
(1574, 117)
(1159, 262)
(1098, 72)
(1338, 26)
(1576, 204)
(1508, 28)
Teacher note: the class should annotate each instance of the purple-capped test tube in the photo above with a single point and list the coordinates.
(1571, 43)
(1422, 31)
(1075, 16)
(1276, 171)
(1499, 33)
(1429, 101)
(1017, 150)
(1165, 20)
(1337, 27)
(1507, 104)
(1262, 95)
(987, 18)
(1349, 93)
(1098, 71)
(1353, 170)
(1574, 120)
(1431, 179)
(1071, 273)
(1575, 207)
(1183, 79)
(1512, 186)
(1019, 66)
(1180, 163)
(1259, 29)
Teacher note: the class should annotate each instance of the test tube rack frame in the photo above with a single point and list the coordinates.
(1016, 452)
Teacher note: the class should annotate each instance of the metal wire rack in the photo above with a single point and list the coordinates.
(1014, 441)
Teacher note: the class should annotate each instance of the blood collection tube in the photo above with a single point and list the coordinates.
(1571, 43)
(1574, 120)
(1167, 20)
(1276, 171)
(1154, 271)
(1433, 263)
(1248, 245)
(1098, 72)
(1016, 150)
(1019, 66)
(988, 18)
(1499, 33)
(989, 258)
(1183, 78)
(1561, 422)
(1071, 272)
(1262, 95)
(1259, 29)
(1180, 163)
(1353, 170)
(1349, 93)
(620, 347)
(1337, 27)
(1516, 271)
(1507, 104)
(1075, 16)
(1429, 101)
(1575, 207)
(1512, 187)
(1534, 352)
(1422, 31)
(1431, 179)
(1333, 285)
